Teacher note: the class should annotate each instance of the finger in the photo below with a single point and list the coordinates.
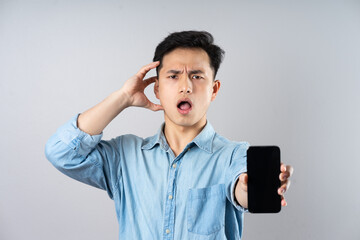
(284, 187)
(286, 168)
(150, 80)
(290, 170)
(157, 107)
(282, 167)
(284, 176)
(154, 107)
(142, 72)
(283, 201)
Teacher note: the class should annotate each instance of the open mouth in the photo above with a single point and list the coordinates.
(184, 106)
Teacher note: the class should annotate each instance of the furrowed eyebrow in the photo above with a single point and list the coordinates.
(196, 72)
(190, 72)
(174, 71)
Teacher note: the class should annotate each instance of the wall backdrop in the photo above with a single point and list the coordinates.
(290, 77)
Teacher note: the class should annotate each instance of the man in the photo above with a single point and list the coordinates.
(185, 182)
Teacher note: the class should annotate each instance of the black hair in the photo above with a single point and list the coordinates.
(190, 39)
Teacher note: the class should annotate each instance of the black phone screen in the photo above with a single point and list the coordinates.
(263, 169)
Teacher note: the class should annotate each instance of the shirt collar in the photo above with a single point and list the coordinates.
(204, 140)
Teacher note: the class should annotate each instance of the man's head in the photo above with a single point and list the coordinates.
(190, 39)
(186, 81)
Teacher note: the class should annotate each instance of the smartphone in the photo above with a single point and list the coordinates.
(263, 169)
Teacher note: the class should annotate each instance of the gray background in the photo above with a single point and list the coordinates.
(291, 77)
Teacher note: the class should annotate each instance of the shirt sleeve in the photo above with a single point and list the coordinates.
(85, 157)
(236, 167)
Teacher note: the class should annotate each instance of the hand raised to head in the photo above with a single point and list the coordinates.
(134, 88)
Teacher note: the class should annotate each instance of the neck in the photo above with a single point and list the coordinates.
(179, 136)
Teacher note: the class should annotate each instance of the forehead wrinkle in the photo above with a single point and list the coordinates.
(184, 58)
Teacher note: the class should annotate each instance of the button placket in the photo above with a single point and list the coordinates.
(169, 218)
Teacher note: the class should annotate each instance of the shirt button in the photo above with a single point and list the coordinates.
(167, 231)
(170, 197)
(174, 165)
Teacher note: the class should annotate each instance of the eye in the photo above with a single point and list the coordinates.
(196, 77)
(172, 76)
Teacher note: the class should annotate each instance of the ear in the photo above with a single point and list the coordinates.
(156, 88)
(216, 87)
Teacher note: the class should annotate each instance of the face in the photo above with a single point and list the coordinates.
(186, 86)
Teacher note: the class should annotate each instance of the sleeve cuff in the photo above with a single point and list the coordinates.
(81, 142)
(233, 200)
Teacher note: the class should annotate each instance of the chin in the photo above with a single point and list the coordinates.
(184, 122)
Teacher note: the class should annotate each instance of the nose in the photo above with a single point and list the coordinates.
(185, 85)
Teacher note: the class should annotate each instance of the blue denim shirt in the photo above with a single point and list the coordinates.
(158, 195)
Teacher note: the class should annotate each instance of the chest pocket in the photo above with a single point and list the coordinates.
(205, 209)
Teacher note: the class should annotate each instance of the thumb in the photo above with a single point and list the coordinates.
(243, 181)
(244, 178)
(154, 107)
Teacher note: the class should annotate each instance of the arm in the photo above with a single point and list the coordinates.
(76, 149)
(241, 185)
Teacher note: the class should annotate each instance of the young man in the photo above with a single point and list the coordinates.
(185, 182)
